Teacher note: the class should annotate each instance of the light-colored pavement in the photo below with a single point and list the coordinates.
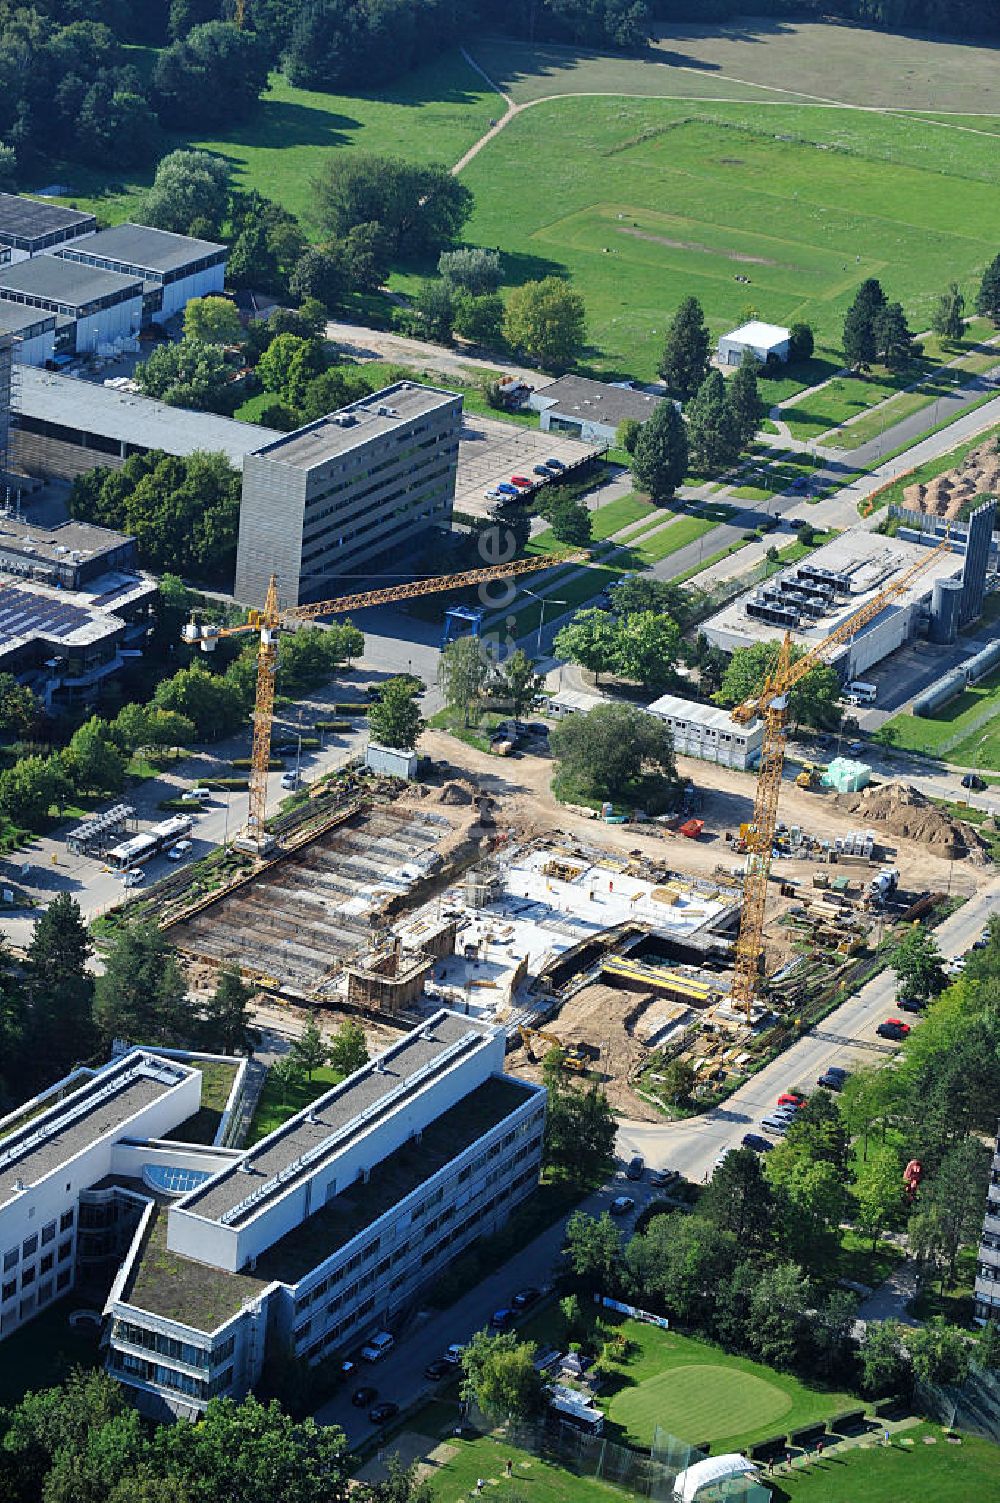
(890, 1300)
(847, 1037)
(362, 343)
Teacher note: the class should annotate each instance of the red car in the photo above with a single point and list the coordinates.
(522, 481)
(791, 1098)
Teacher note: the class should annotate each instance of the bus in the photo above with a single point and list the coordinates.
(132, 853)
(863, 693)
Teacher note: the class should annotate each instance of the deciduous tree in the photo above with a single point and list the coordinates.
(589, 639)
(472, 268)
(213, 320)
(348, 1048)
(916, 961)
(813, 701)
(647, 646)
(547, 320)
(309, 1049)
(463, 670)
(949, 313)
(593, 1250)
(189, 186)
(394, 719)
(499, 1375)
(604, 752)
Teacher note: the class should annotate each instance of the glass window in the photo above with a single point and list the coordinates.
(9, 1290)
(10, 1259)
(29, 1246)
(46, 1263)
(48, 1233)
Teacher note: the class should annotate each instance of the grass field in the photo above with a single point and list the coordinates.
(276, 1106)
(805, 201)
(926, 1469)
(980, 747)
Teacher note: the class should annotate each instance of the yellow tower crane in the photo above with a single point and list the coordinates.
(269, 621)
(771, 706)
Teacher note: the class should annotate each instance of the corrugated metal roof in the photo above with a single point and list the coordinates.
(671, 706)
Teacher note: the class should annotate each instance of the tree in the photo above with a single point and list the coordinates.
(478, 319)
(572, 1313)
(738, 1199)
(210, 701)
(547, 320)
(642, 592)
(604, 752)
(894, 344)
(499, 1375)
(434, 305)
(348, 1049)
(226, 1027)
(13, 1029)
(53, 1420)
(660, 456)
(141, 995)
(571, 521)
(580, 1131)
(593, 1250)
(59, 990)
(29, 789)
(288, 364)
(626, 433)
(93, 760)
(247, 1452)
(684, 362)
(187, 374)
(812, 1201)
(950, 1207)
(988, 296)
(676, 1265)
(589, 639)
(419, 208)
(713, 435)
(213, 76)
(746, 410)
(777, 1325)
(463, 670)
(519, 683)
(949, 313)
(20, 708)
(320, 274)
(800, 343)
(188, 186)
(677, 1080)
(829, 1338)
(987, 1355)
(918, 966)
(813, 701)
(288, 1072)
(860, 347)
(472, 268)
(884, 1368)
(309, 1050)
(394, 719)
(878, 1192)
(647, 647)
(212, 320)
(940, 1354)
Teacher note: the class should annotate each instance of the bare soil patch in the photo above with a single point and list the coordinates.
(905, 811)
(694, 245)
(978, 475)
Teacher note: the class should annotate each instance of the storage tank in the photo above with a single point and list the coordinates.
(946, 606)
(940, 692)
(983, 663)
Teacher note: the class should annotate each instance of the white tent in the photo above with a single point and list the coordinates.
(694, 1480)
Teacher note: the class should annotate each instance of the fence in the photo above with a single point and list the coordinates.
(975, 1406)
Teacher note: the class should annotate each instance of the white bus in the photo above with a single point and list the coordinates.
(132, 853)
(865, 694)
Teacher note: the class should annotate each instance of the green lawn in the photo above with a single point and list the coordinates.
(807, 202)
(931, 1470)
(667, 540)
(275, 1107)
(216, 1083)
(606, 520)
(928, 735)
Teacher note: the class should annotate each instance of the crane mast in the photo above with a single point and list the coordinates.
(770, 706)
(272, 618)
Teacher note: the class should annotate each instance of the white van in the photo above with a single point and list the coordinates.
(380, 1346)
(196, 796)
(866, 693)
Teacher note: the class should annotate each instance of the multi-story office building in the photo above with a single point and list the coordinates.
(322, 504)
(987, 1291)
(308, 1242)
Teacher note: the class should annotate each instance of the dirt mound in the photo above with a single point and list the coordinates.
(906, 812)
(454, 793)
(946, 495)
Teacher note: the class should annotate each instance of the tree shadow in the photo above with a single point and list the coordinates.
(289, 124)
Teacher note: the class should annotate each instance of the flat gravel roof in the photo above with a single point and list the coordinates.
(62, 281)
(141, 245)
(32, 218)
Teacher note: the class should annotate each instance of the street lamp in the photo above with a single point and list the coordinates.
(543, 601)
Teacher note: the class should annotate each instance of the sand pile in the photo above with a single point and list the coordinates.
(945, 495)
(454, 793)
(903, 810)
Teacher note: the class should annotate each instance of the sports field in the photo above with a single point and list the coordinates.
(643, 202)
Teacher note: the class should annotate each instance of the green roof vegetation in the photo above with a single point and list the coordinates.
(217, 1077)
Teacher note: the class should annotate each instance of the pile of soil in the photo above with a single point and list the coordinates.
(905, 811)
(945, 495)
(454, 793)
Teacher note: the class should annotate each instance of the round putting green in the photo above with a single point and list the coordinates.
(700, 1402)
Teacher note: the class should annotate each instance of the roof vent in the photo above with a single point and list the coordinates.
(388, 412)
(19, 1185)
(245, 1167)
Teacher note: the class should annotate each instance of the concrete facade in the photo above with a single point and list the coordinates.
(173, 269)
(987, 1289)
(709, 734)
(330, 499)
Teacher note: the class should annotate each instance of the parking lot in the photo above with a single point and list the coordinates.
(490, 451)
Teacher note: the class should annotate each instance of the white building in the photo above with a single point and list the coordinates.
(33, 330)
(762, 340)
(708, 733)
(988, 1267)
(31, 226)
(94, 308)
(173, 269)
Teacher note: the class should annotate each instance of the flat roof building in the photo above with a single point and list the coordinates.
(68, 426)
(324, 503)
(811, 598)
(34, 331)
(172, 268)
(590, 409)
(763, 341)
(708, 733)
(94, 307)
(29, 226)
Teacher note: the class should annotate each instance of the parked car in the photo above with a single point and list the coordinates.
(453, 1353)
(380, 1346)
(660, 1178)
(179, 851)
(542, 470)
(289, 780)
(636, 1167)
(776, 1126)
(502, 1319)
(134, 879)
(555, 464)
(438, 1369)
(383, 1412)
(756, 1143)
(893, 1028)
(974, 781)
(791, 1098)
(525, 1297)
(196, 796)
(522, 481)
(911, 1004)
(621, 1205)
(505, 489)
(833, 1078)
(955, 967)
(855, 748)
(798, 523)
(492, 494)
(362, 1397)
